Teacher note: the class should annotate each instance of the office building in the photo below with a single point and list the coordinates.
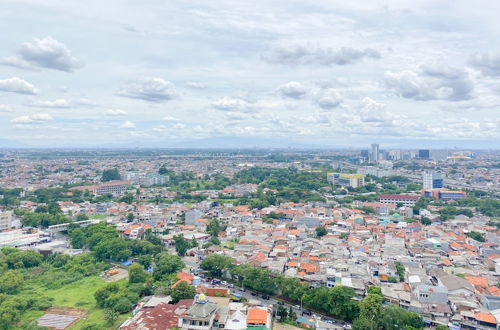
(432, 180)
(365, 154)
(444, 194)
(346, 179)
(374, 153)
(406, 200)
(424, 154)
(5, 220)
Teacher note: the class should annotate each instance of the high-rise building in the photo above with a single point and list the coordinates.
(424, 154)
(432, 180)
(365, 154)
(374, 153)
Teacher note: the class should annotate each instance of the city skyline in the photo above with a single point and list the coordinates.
(395, 73)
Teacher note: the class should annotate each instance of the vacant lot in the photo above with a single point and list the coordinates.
(79, 294)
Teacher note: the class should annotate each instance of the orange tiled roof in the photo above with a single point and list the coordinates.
(477, 280)
(485, 317)
(256, 316)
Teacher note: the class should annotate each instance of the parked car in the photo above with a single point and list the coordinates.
(265, 296)
(254, 293)
(306, 312)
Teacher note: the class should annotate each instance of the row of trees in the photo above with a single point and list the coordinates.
(337, 301)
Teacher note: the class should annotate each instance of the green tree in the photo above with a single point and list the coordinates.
(11, 281)
(111, 174)
(112, 249)
(166, 264)
(477, 236)
(78, 238)
(145, 260)
(181, 245)
(282, 313)
(82, 217)
(130, 217)
(321, 231)
(128, 198)
(214, 227)
(442, 327)
(137, 274)
(182, 291)
(217, 264)
(374, 290)
(394, 317)
(194, 242)
(110, 316)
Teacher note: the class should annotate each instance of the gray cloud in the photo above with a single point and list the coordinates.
(17, 85)
(329, 99)
(431, 83)
(293, 89)
(320, 56)
(151, 90)
(43, 53)
(488, 63)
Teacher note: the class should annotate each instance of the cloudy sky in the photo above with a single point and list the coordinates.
(329, 73)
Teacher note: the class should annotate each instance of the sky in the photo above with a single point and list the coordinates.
(157, 73)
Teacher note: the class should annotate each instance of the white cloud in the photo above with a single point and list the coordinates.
(374, 112)
(431, 83)
(38, 118)
(151, 90)
(44, 53)
(17, 62)
(128, 125)
(320, 56)
(5, 108)
(56, 104)
(17, 85)
(169, 118)
(179, 126)
(488, 63)
(115, 112)
(293, 90)
(196, 85)
(160, 128)
(228, 103)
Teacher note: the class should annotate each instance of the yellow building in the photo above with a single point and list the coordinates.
(347, 179)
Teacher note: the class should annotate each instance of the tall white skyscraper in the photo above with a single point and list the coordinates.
(432, 180)
(375, 153)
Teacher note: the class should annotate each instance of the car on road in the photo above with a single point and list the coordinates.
(265, 296)
(254, 293)
(297, 307)
(306, 312)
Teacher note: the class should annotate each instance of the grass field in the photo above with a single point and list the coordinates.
(79, 294)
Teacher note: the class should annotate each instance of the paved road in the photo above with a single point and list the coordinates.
(193, 263)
